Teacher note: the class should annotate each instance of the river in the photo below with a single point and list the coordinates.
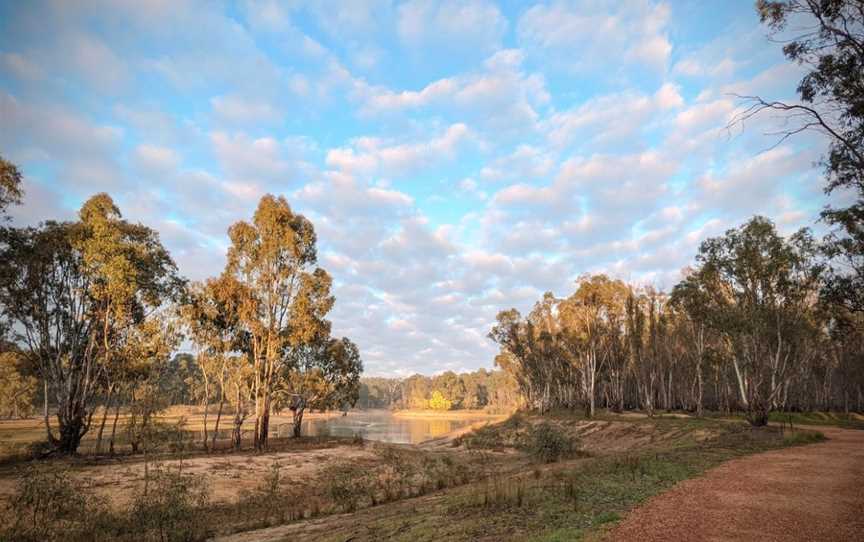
(382, 425)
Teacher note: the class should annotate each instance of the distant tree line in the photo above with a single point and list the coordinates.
(746, 329)
(93, 310)
(493, 391)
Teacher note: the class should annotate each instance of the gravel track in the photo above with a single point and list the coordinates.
(807, 493)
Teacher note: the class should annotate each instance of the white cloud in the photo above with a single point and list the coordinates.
(578, 36)
(369, 156)
(261, 160)
(501, 96)
(612, 121)
(157, 159)
(451, 25)
(244, 110)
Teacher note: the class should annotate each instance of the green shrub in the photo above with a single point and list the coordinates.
(48, 505)
(547, 444)
(170, 507)
(349, 485)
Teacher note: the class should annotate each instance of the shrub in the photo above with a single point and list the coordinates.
(170, 507)
(50, 505)
(347, 485)
(45, 503)
(547, 444)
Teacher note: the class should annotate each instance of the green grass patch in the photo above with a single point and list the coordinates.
(834, 419)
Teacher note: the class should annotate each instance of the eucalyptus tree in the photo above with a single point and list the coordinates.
(523, 357)
(321, 374)
(643, 328)
(273, 257)
(691, 299)
(211, 316)
(72, 289)
(826, 37)
(760, 290)
(11, 191)
(590, 321)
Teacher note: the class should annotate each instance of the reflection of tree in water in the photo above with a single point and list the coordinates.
(386, 428)
(439, 427)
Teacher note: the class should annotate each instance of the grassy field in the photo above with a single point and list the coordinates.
(557, 477)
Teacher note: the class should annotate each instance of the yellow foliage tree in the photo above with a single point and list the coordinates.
(439, 402)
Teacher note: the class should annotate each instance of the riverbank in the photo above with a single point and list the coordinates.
(448, 414)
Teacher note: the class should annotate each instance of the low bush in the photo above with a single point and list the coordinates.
(48, 505)
(349, 486)
(547, 444)
(169, 508)
(51, 505)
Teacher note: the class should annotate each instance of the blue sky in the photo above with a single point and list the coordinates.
(456, 158)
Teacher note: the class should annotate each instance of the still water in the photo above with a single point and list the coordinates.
(382, 425)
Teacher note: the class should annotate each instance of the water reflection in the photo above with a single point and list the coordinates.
(382, 425)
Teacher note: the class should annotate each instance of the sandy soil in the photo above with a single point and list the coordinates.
(807, 493)
(227, 475)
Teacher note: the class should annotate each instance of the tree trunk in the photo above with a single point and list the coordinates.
(51, 439)
(70, 435)
(114, 428)
(218, 418)
(236, 435)
(206, 401)
(298, 420)
(699, 389)
(102, 424)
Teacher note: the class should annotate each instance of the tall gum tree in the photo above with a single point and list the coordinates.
(273, 257)
(761, 287)
(591, 321)
(826, 38)
(211, 315)
(72, 289)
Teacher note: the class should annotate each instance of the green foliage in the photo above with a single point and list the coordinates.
(17, 389)
(510, 433)
(795, 438)
(827, 37)
(349, 486)
(48, 505)
(170, 507)
(10, 185)
(548, 444)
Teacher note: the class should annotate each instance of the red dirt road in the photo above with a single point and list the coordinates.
(808, 493)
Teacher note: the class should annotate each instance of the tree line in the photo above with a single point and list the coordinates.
(745, 329)
(94, 309)
(494, 391)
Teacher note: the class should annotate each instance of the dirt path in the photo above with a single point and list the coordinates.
(807, 493)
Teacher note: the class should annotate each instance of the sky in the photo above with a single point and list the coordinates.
(456, 158)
